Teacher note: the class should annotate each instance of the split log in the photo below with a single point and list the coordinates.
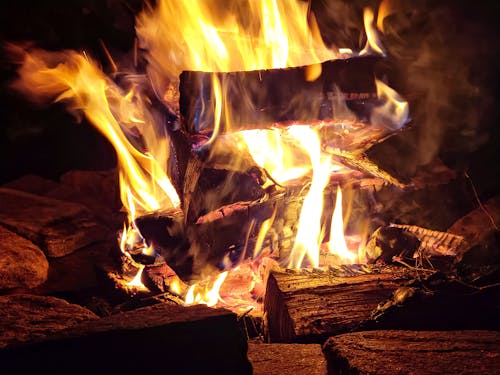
(307, 306)
(154, 339)
(408, 352)
(260, 99)
(58, 227)
(278, 359)
(22, 263)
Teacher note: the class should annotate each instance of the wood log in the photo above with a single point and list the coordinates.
(310, 306)
(409, 352)
(278, 359)
(154, 339)
(57, 227)
(259, 99)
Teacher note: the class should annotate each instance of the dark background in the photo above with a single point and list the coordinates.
(443, 58)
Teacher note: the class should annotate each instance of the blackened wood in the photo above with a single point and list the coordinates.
(155, 339)
(310, 306)
(278, 359)
(57, 227)
(259, 99)
(409, 352)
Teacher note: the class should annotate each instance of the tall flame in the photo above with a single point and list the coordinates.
(337, 244)
(239, 35)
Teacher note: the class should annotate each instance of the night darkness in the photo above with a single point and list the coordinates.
(48, 141)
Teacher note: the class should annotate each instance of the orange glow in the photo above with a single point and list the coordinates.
(337, 244)
(136, 281)
(373, 43)
(206, 293)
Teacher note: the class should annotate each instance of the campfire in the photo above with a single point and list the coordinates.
(248, 180)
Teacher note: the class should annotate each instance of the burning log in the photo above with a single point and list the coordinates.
(407, 352)
(261, 99)
(305, 306)
(145, 340)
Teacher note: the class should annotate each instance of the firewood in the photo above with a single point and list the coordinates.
(310, 306)
(278, 359)
(409, 352)
(57, 227)
(260, 99)
(159, 338)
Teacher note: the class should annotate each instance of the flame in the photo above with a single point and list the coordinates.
(337, 244)
(373, 43)
(206, 293)
(243, 35)
(75, 78)
(393, 112)
(277, 152)
(308, 239)
(136, 281)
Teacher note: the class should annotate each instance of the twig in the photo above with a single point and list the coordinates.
(245, 313)
(483, 208)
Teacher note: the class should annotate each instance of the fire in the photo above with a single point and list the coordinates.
(205, 36)
(206, 293)
(337, 244)
(244, 35)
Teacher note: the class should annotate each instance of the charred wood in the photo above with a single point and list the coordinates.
(408, 352)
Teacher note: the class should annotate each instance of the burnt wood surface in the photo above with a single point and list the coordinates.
(260, 98)
(310, 306)
(410, 352)
(154, 339)
(278, 359)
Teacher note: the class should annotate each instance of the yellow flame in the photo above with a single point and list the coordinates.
(136, 281)
(373, 43)
(277, 152)
(394, 110)
(75, 78)
(206, 293)
(308, 236)
(337, 244)
(204, 35)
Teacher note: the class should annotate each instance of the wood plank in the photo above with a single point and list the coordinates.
(310, 306)
(156, 339)
(410, 352)
(278, 359)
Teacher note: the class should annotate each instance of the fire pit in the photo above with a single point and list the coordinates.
(255, 198)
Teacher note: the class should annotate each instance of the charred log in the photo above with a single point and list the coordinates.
(259, 99)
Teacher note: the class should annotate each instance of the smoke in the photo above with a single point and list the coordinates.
(441, 58)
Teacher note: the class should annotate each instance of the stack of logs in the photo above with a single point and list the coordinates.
(378, 318)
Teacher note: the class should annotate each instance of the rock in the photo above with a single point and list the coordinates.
(414, 352)
(57, 227)
(22, 263)
(26, 317)
(277, 359)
